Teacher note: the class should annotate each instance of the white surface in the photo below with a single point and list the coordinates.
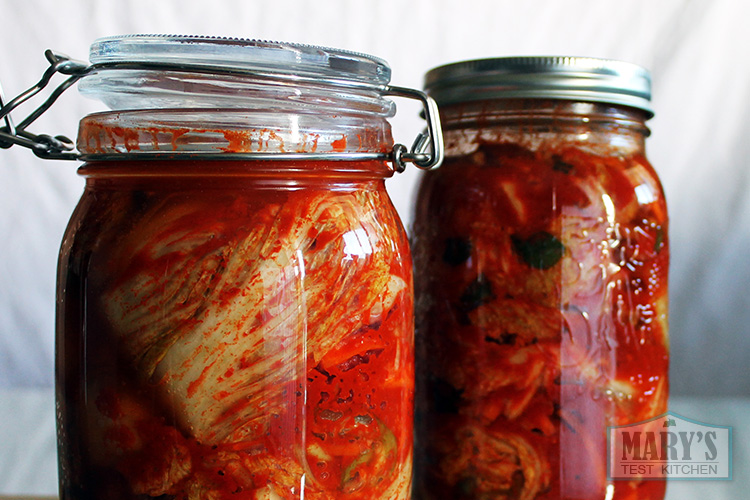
(28, 464)
(28, 459)
(696, 49)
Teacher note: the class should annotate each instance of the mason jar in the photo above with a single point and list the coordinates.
(541, 257)
(234, 306)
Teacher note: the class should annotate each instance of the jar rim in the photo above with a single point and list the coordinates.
(585, 79)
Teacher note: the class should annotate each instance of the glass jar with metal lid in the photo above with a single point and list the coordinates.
(235, 290)
(541, 258)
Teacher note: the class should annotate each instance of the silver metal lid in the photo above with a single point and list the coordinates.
(546, 77)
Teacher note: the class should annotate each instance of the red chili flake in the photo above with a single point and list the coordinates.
(358, 359)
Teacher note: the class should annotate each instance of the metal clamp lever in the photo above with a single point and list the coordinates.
(430, 139)
(44, 146)
(426, 151)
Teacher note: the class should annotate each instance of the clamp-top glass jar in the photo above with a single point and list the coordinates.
(541, 259)
(235, 291)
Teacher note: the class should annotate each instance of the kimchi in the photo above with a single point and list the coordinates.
(541, 258)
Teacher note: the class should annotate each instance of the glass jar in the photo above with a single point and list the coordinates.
(541, 258)
(235, 312)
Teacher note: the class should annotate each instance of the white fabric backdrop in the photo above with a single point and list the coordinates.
(697, 51)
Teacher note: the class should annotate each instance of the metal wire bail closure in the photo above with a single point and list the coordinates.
(44, 146)
(426, 152)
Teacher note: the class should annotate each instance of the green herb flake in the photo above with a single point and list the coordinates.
(561, 166)
(541, 250)
(457, 251)
(659, 243)
(477, 293)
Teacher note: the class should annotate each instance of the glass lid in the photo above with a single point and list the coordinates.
(281, 58)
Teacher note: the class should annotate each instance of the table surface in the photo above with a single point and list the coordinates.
(28, 464)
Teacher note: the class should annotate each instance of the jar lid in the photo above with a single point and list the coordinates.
(176, 71)
(279, 58)
(544, 77)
